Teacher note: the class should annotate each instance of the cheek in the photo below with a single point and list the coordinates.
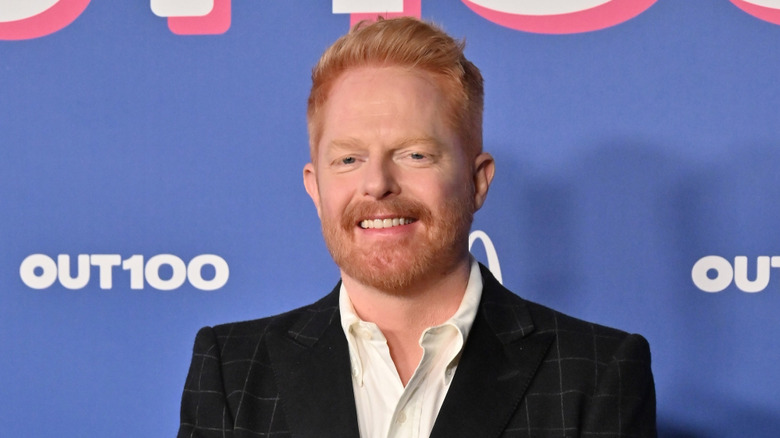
(450, 188)
(435, 197)
(333, 198)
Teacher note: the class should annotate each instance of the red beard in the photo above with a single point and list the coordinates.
(394, 267)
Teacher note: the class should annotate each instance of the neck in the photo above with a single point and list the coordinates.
(403, 316)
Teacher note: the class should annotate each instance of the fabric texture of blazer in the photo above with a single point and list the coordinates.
(526, 371)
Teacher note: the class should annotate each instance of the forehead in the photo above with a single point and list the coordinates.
(369, 83)
(383, 100)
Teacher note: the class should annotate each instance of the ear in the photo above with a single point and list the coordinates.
(310, 183)
(484, 169)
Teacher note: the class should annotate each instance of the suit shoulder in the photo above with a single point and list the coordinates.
(526, 316)
(588, 338)
(247, 333)
(576, 334)
(546, 318)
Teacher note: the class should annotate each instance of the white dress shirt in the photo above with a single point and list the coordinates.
(385, 408)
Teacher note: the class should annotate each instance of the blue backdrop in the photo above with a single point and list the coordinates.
(624, 156)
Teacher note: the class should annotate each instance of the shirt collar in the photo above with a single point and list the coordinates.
(462, 319)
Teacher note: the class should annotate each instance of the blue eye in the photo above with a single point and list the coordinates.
(417, 156)
(348, 160)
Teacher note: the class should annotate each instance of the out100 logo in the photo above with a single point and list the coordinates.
(39, 271)
(715, 273)
(26, 19)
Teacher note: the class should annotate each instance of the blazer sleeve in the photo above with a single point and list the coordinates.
(204, 409)
(623, 403)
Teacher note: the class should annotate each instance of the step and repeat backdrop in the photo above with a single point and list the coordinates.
(151, 158)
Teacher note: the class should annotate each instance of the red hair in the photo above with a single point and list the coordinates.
(414, 44)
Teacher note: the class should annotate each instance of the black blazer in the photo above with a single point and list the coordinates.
(526, 371)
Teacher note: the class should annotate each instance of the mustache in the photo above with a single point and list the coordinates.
(397, 207)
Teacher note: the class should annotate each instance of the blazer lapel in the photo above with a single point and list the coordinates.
(499, 360)
(312, 369)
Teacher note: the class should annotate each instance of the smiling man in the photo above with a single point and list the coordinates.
(417, 339)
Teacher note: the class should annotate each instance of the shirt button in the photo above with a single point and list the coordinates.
(402, 417)
(364, 333)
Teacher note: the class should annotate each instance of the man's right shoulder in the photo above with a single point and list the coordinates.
(290, 323)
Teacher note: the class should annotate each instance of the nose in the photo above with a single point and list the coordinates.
(379, 179)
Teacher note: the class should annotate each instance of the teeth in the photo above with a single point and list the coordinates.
(385, 223)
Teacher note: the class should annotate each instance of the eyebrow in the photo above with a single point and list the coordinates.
(347, 143)
(427, 141)
(351, 143)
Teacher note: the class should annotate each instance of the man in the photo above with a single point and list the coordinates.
(417, 339)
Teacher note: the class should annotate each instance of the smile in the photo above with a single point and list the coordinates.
(385, 223)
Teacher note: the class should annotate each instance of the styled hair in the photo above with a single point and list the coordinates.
(410, 43)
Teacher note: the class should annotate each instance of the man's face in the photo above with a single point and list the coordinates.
(392, 184)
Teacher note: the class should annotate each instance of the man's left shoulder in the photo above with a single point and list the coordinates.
(574, 337)
(586, 378)
(548, 319)
(581, 338)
